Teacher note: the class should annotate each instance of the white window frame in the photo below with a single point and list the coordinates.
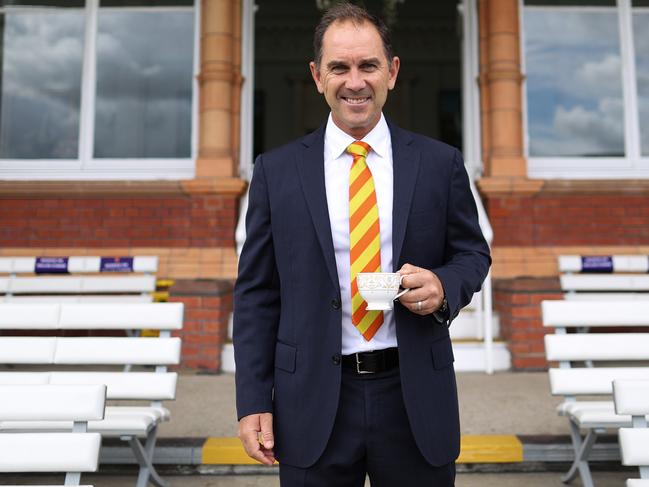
(86, 167)
(633, 165)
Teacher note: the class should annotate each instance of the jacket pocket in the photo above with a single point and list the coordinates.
(442, 352)
(285, 357)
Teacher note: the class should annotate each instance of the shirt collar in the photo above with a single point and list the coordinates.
(337, 141)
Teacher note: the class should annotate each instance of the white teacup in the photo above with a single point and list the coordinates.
(379, 289)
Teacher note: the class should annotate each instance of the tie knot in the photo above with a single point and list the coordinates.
(359, 148)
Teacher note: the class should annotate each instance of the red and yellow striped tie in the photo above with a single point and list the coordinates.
(364, 236)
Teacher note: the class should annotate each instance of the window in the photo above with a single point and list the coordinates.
(97, 89)
(587, 110)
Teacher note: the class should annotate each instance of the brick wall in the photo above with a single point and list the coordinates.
(518, 303)
(208, 304)
(205, 221)
(543, 220)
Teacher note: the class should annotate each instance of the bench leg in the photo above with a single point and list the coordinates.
(582, 448)
(144, 456)
(72, 478)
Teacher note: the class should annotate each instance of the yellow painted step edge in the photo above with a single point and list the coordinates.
(474, 449)
(490, 449)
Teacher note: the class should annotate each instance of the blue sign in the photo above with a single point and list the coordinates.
(603, 264)
(116, 264)
(51, 265)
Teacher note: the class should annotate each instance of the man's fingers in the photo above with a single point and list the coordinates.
(267, 438)
(252, 428)
(408, 269)
(256, 450)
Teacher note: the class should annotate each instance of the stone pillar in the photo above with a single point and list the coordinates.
(501, 89)
(220, 81)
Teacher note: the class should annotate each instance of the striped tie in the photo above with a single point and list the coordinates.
(364, 236)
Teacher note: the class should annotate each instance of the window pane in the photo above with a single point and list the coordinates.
(574, 82)
(641, 44)
(41, 57)
(147, 3)
(144, 83)
(573, 3)
(43, 3)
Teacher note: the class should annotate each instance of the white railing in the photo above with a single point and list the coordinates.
(486, 302)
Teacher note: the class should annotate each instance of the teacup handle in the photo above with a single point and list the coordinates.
(401, 293)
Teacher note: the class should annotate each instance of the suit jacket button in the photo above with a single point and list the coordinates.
(335, 303)
(336, 359)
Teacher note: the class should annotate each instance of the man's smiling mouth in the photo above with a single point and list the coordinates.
(355, 101)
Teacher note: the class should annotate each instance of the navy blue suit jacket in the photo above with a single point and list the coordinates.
(287, 317)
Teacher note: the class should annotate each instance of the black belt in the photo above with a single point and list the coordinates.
(371, 362)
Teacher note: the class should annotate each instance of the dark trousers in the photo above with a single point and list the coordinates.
(372, 436)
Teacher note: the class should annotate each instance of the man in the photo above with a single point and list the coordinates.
(330, 389)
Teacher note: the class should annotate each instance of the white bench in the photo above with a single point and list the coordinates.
(621, 353)
(632, 398)
(85, 360)
(618, 277)
(74, 451)
(78, 279)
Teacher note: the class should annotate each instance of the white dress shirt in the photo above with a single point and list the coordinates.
(337, 164)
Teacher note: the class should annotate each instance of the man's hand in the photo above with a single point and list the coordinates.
(426, 292)
(256, 434)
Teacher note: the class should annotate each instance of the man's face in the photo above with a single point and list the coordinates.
(354, 75)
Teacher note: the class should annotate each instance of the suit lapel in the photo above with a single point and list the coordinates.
(405, 163)
(310, 167)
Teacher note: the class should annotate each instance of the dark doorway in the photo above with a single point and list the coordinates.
(427, 98)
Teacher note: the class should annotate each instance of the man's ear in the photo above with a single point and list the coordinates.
(315, 74)
(393, 69)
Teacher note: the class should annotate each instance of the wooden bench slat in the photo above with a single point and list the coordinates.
(105, 316)
(631, 397)
(27, 350)
(604, 282)
(637, 483)
(52, 403)
(49, 452)
(83, 298)
(594, 380)
(634, 445)
(621, 263)
(113, 351)
(159, 316)
(29, 316)
(602, 346)
(603, 313)
(23, 265)
(606, 296)
(78, 284)
(17, 264)
(152, 386)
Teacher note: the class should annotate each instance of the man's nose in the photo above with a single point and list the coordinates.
(355, 80)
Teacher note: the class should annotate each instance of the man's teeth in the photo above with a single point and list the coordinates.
(355, 101)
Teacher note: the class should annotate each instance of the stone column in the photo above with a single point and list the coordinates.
(220, 81)
(501, 88)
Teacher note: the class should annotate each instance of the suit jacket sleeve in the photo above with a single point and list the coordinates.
(256, 304)
(466, 255)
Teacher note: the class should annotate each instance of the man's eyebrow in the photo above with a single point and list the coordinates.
(335, 63)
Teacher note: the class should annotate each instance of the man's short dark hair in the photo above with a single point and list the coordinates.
(357, 15)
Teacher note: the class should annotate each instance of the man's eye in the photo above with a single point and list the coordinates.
(368, 67)
(338, 69)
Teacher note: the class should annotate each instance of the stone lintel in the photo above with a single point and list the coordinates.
(492, 186)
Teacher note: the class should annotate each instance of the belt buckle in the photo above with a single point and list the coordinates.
(358, 365)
